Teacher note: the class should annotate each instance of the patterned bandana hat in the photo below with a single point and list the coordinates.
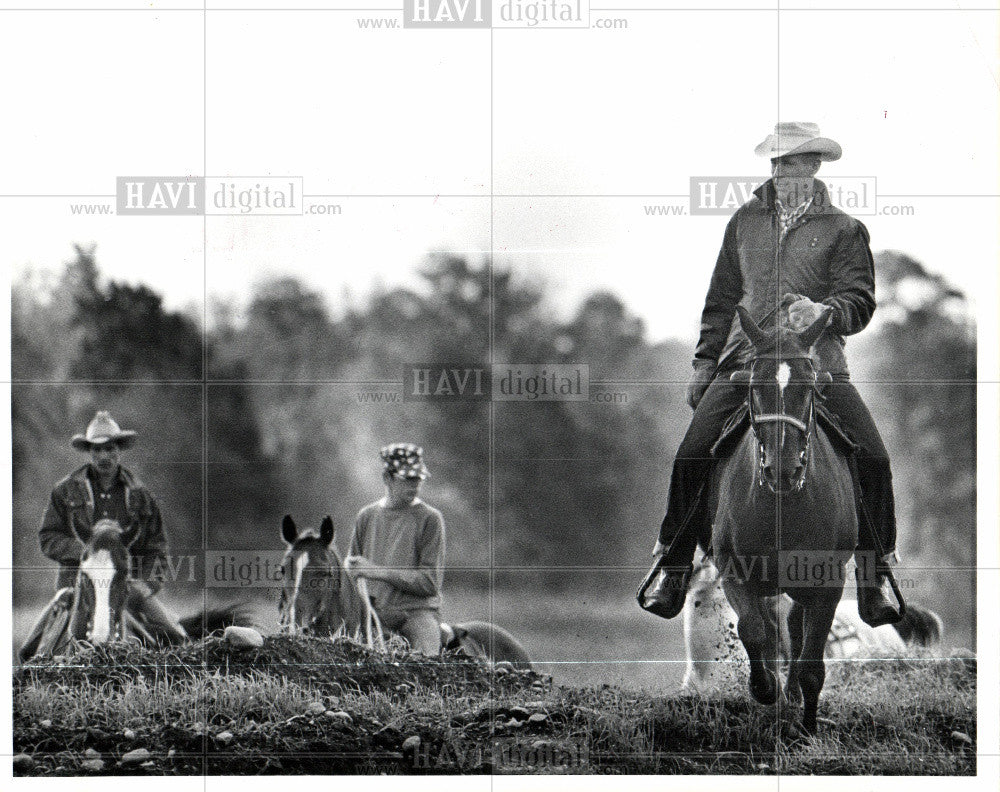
(404, 460)
(789, 217)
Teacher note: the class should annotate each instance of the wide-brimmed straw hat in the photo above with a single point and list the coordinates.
(405, 461)
(103, 429)
(798, 137)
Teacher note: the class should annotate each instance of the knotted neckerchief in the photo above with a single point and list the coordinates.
(789, 217)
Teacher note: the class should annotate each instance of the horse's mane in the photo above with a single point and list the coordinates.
(348, 596)
(782, 338)
(107, 535)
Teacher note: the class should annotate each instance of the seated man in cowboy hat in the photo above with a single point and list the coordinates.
(105, 490)
(786, 249)
(398, 546)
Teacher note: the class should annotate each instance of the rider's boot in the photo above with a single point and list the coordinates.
(879, 600)
(664, 588)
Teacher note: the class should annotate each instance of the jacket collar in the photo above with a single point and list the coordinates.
(93, 478)
(125, 475)
(128, 478)
(821, 197)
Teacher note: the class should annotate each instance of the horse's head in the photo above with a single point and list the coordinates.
(783, 382)
(311, 574)
(102, 582)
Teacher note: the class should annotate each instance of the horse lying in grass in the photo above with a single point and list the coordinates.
(711, 641)
(96, 611)
(322, 598)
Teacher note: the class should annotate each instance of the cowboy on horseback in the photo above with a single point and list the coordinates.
(789, 254)
(398, 547)
(101, 491)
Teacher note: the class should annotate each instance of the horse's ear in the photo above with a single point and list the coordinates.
(326, 530)
(289, 532)
(740, 375)
(754, 333)
(808, 336)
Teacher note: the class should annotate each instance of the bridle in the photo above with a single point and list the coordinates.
(330, 573)
(807, 426)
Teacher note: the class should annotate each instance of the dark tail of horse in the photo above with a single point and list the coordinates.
(204, 623)
(920, 626)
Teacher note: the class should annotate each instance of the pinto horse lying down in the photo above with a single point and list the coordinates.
(711, 642)
(321, 597)
(99, 607)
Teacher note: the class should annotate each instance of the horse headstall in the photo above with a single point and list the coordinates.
(806, 427)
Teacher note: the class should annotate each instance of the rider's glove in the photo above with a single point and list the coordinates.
(802, 311)
(704, 370)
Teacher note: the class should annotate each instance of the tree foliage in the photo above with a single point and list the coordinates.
(288, 403)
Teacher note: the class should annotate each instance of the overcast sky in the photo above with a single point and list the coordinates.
(584, 127)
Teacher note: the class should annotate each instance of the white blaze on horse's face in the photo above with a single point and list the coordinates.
(100, 570)
(783, 376)
(301, 562)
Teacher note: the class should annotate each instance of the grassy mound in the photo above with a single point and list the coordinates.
(327, 666)
(324, 707)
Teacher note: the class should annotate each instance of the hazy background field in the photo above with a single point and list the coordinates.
(281, 407)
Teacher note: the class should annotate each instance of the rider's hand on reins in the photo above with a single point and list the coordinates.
(802, 311)
(359, 566)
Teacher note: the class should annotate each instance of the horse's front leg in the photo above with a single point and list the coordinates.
(758, 636)
(812, 669)
(796, 634)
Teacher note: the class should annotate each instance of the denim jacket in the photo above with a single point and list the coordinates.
(72, 501)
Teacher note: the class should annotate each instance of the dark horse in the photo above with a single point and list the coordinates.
(96, 610)
(319, 596)
(783, 500)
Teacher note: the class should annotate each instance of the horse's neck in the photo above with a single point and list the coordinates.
(350, 600)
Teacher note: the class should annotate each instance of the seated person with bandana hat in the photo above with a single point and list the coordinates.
(398, 547)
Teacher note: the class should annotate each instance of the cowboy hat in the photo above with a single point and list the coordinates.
(798, 137)
(103, 429)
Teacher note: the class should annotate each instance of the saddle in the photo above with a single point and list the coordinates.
(738, 423)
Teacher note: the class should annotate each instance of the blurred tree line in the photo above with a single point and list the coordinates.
(291, 418)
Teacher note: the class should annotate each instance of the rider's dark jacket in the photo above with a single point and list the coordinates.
(72, 501)
(824, 256)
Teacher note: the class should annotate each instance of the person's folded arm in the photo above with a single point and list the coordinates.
(56, 537)
(852, 281)
(724, 291)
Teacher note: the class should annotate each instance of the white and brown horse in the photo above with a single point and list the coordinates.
(96, 610)
(321, 597)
